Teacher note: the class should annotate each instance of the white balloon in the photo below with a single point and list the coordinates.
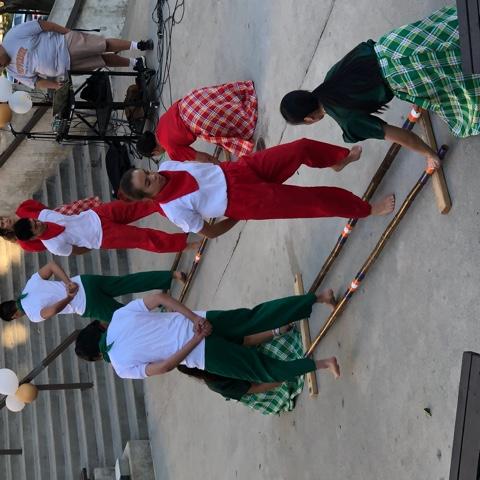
(14, 404)
(5, 89)
(8, 381)
(20, 102)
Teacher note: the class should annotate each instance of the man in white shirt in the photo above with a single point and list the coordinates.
(252, 188)
(106, 227)
(86, 295)
(34, 51)
(140, 342)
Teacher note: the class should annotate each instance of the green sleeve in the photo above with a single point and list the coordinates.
(229, 387)
(360, 127)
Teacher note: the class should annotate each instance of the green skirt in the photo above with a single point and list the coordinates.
(422, 64)
(282, 398)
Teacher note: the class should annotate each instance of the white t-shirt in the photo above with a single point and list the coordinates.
(34, 53)
(210, 200)
(141, 336)
(82, 230)
(45, 293)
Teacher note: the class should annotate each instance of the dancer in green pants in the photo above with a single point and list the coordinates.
(85, 295)
(140, 342)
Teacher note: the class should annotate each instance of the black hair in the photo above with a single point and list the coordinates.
(146, 144)
(8, 310)
(87, 343)
(23, 229)
(8, 235)
(355, 75)
(126, 186)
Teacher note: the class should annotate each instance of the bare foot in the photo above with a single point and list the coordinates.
(353, 156)
(192, 246)
(328, 298)
(330, 364)
(180, 276)
(384, 206)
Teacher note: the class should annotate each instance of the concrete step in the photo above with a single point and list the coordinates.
(64, 431)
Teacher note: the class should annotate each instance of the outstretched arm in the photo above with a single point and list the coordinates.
(48, 312)
(217, 229)
(158, 368)
(412, 141)
(79, 250)
(47, 26)
(205, 158)
(53, 268)
(155, 300)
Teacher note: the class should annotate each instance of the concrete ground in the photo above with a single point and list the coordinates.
(399, 342)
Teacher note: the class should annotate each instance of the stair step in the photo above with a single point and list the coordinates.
(64, 431)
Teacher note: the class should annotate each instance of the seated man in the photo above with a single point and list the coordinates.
(140, 342)
(34, 51)
(252, 188)
(225, 115)
(85, 295)
(103, 227)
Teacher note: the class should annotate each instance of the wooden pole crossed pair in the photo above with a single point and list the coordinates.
(444, 204)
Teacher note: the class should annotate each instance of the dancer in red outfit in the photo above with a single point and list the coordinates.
(103, 227)
(225, 115)
(250, 189)
(30, 210)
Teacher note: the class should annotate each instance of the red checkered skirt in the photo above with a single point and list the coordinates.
(225, 115)
(79, 206)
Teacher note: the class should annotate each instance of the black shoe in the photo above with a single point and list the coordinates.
(145, 44)
(140, 65)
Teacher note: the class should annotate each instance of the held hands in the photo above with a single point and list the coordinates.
(433, 162)
(72, 289)
(202, 327)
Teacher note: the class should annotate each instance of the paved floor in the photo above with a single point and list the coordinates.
(401, 339)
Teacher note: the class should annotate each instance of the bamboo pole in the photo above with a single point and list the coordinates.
(439, 183)
(409, 123)
(421, 182)
(306, 339)
(193, 268)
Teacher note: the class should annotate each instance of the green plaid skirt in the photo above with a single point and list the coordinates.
(282, 399)
(422, 64)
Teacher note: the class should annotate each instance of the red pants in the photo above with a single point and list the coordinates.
(115, 217)
(256, 191)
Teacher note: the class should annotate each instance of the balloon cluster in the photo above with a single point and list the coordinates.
(17, 395)
(18, 102)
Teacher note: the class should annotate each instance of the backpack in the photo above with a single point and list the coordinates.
(117, 162)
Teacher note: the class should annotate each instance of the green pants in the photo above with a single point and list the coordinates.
(100, 291)
(225, 355)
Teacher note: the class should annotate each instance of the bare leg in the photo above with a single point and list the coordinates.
(330, 364)
(263, 387)
(262, 337)
(328, 298)
(353, 156)
(117, 45)
(384, 206)
(113, 60)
